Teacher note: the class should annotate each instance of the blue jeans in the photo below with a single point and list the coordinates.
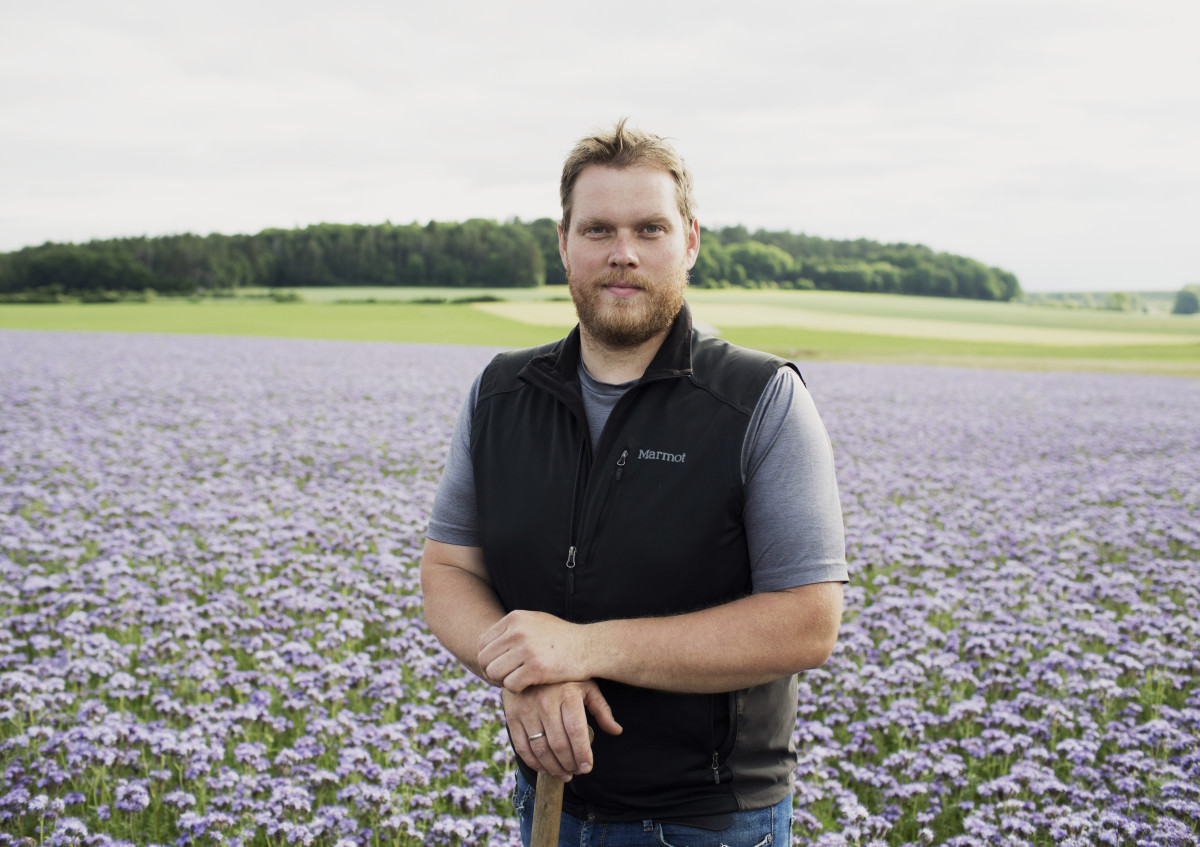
(756, 828)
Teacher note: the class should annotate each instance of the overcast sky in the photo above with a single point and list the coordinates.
(1057, 139)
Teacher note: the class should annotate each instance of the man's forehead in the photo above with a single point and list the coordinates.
(642, 189)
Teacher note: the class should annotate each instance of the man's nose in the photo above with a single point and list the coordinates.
(624, 252)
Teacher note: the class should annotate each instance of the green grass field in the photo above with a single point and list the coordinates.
(801, 325)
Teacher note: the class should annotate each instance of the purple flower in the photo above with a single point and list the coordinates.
(131, 796)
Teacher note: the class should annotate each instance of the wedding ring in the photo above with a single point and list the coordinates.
(537, 735)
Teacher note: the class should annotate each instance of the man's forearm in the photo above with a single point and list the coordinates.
(459, 607)
(736, 645)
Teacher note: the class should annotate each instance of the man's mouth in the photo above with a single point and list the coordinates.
(622, 289)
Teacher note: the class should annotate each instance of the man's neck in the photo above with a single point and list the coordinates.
(616, 365)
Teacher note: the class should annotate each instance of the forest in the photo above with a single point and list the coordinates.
(472, 253)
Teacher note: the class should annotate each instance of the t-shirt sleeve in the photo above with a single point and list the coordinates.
(793, 516)
(454, 519)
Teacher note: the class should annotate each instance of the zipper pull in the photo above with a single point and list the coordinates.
(716, 768)
(621, 464)
(571, 557)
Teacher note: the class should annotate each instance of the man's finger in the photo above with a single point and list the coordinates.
(490, 649)
(595, 703)
(521, 743)
(581, 700)
(559, 757)
(534, 749)
(499, 668)
(579, 734)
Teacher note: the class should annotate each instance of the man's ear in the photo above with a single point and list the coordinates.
(693, 245)
(562, 244)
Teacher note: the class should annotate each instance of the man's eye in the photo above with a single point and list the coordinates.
(653, 229)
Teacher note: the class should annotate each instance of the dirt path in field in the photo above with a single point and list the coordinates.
(748, 315)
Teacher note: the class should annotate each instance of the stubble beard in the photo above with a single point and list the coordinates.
(623, 324)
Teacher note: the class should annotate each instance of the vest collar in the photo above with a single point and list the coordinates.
(674, 357)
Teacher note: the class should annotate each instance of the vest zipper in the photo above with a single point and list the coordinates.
(615, 478)
(573, 532)
(573, 541)
(723, 746)
(571, 570)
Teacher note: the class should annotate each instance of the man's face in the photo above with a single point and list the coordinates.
(627, 253)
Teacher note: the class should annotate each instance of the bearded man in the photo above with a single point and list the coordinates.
(639, 526)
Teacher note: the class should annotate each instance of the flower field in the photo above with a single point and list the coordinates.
(210, 627)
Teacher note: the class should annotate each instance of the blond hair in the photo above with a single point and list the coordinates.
(623, 147)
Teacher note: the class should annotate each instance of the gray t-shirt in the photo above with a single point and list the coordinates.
(792, 514)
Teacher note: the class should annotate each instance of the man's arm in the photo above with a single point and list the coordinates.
(460, 605)
(735, 645)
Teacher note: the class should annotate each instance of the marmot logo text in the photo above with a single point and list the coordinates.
(660, 456)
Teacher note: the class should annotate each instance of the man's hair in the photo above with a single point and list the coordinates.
(622, 147)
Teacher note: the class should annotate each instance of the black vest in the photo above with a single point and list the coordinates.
(648, 524)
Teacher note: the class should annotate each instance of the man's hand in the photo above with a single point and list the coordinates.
(557, 716)
(532, 648)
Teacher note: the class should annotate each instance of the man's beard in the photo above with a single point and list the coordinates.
(620, 324)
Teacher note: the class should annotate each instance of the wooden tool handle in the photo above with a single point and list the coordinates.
(547, 807)
(547, 811)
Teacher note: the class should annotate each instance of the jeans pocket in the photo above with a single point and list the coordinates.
(522, 798)
(755, 828)
(674, 835)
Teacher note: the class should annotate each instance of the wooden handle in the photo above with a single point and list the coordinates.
(547, 807)
(547, 811)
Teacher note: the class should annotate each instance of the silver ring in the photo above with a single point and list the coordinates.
(537, 735)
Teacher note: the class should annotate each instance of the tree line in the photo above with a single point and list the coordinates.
(473, 253)
(1187, 301)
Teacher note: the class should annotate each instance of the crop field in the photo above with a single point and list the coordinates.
(811, 325)
(211, 631)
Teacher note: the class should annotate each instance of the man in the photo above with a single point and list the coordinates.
(640, 524)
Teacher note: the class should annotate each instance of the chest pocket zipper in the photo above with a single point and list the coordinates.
(620, 469)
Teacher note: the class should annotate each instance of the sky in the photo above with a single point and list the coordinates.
(1057, 139)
